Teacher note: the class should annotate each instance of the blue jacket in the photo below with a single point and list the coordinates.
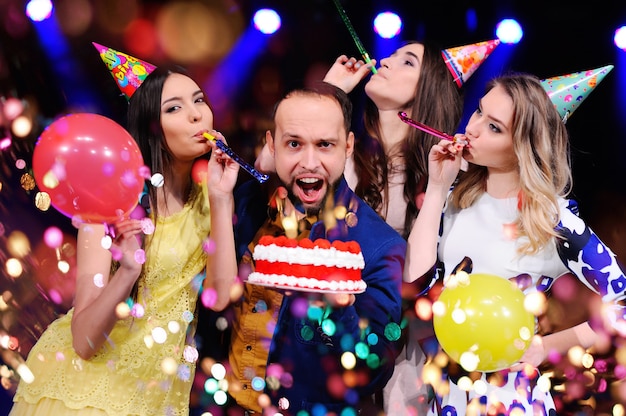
(311, 362)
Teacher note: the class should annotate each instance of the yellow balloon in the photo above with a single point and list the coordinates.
(481, 322)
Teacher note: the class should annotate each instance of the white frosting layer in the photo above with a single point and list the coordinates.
(315, 256)
(307, 283)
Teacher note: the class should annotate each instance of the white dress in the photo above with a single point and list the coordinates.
(482, 232)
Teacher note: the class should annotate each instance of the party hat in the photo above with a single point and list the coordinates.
(568, 91)
(462, 61)
(128, 71)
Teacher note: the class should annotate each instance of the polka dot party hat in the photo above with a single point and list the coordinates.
(567, 92)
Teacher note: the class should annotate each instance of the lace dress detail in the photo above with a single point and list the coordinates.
(148, 364)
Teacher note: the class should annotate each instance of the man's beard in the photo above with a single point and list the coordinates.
(314, 210)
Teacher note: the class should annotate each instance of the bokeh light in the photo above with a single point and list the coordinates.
(387, 25)
(211, 385)
(14, 267)
(267, 21)
(195, 32)
(159, 335)
(18, 244)
(218, 371)
(258, 383)
(509, 31)
(115, 15)
(12, 108)
(620, 38)
(53, 237)
(74, 16)
(64, 267)
(25, 373)
(220, 397)
(39, 10)
(140, 37)
(471, 19)
(348, 360)
(536, 303)
(21, 126)
(5, 143)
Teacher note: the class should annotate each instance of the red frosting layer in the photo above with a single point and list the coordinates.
(282, 241)
(321, 272)
(307, 270)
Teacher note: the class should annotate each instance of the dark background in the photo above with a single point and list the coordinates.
(559, 38)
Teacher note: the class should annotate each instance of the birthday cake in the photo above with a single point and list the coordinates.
(305, 265)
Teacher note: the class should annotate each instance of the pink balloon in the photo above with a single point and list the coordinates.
(90, 166)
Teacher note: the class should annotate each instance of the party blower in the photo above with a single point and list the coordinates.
(423, 127)
(261, 177)
(357, 41)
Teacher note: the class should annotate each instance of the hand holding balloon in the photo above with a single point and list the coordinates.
(126, 245)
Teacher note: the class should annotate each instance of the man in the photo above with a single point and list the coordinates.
(273, 363)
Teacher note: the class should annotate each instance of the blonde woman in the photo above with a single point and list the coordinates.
(509, 214)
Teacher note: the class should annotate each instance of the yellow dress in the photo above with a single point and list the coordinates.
(148, 364)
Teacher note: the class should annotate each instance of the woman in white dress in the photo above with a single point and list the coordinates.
(509, 214)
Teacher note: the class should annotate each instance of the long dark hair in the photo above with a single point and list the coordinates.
(438, 103)
(144, 124)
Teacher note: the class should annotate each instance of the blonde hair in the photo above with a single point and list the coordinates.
(541, 145)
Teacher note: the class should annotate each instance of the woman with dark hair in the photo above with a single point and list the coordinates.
(126, 347)
(389, 168)
(389, 171)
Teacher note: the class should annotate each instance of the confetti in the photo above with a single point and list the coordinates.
(42, 201)
(27, 182)
(140, 256)
(159, 335)
(137, 310)
(169, 366)
(173, 327)
(190, 354)
(147, 226)
(98, 280)
(157, 180)
(188, 316)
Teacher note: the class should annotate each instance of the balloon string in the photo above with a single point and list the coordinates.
(261, 177)
(356, 39)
